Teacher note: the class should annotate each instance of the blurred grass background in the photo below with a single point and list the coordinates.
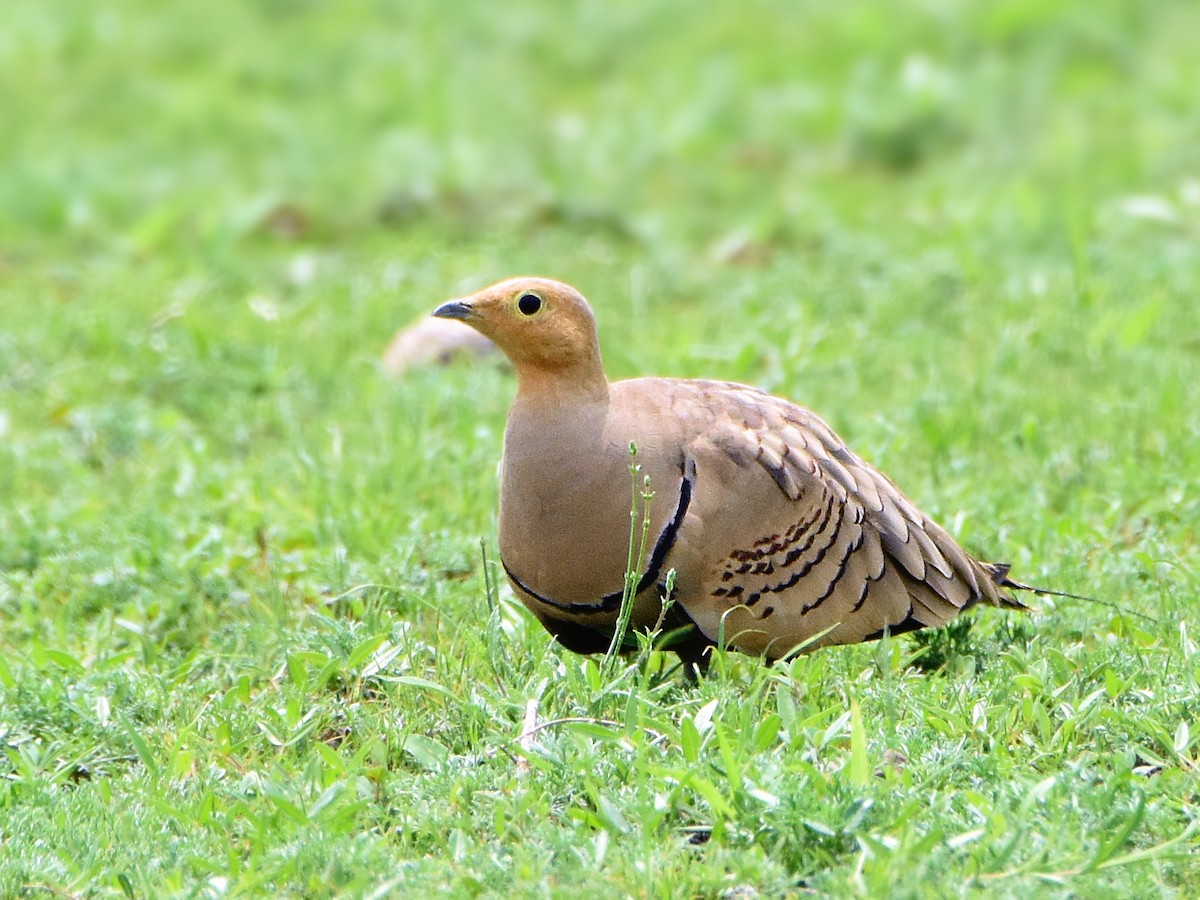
(964, 233)
(139, 124)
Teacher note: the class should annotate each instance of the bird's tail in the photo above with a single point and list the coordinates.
(999, 574)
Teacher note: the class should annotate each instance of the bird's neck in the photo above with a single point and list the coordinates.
(561, 387)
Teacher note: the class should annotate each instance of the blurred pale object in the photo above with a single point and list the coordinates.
(433, 342)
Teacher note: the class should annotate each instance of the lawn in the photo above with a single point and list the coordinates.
(253, 636)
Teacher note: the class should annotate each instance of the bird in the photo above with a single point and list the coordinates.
(432, 342)
(766, 533)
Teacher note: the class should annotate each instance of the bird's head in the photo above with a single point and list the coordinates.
(543, 326)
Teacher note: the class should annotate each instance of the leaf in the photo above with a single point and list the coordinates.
(689, 740)
(703, 718)
(332, 758)
(427, 752)
(1151, 207)
(1182, 738)
(381, 659)
(270, 734)
(709, 791)
(818, 827)
(766, 733)
(1115, 842)
(297, 671)
(612, 815)
(362, 650)
(1038, 793)
(1113, 683)
(65, 660)
(733, 766)
(967, 837)
(856, 814)
(786, 707)
(601, 847)
(425, 684)
(145, 754)
(860, 772)
(835, 729)
(1153, 852)
(763, 796)
(286, 806)
(103, 710)
(181, 764)
(328, 797)
(1138, 325)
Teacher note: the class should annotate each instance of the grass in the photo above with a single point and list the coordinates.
(248, 642)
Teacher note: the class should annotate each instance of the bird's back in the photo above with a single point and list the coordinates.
(790, 536)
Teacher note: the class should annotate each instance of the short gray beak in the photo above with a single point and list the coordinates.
(455, 309)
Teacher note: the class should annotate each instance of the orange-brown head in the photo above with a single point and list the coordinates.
(545, 327)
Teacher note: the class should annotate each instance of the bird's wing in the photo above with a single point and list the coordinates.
(790, 537)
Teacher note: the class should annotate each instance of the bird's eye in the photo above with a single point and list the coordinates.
(529, 304)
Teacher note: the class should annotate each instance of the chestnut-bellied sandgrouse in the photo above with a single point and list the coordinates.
(777, 533)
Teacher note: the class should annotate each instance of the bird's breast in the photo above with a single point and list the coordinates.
(565, 508)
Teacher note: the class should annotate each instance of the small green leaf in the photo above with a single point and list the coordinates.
(363, 650)
(145, 754)
(711, 795)
(181, 764)
(859, 770)
(286, 806)
(425, 684)
(1117, 840)
(332, 758)
(704, 716)
(611, 814)
(65, 660)
(689, 740)
(766, 733)
(383, 657)
(297, 671)
(786, 707)
(429, 753)
(728, 745)
(1182, 738)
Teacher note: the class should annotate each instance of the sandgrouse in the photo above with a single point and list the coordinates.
(777, 533)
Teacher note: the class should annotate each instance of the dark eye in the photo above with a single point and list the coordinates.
(529, 304)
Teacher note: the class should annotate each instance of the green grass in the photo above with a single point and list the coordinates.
(246, 645)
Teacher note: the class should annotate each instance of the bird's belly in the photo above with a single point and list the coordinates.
(564, 547)
(571, 543)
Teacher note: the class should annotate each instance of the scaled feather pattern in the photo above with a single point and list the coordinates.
(778, 534)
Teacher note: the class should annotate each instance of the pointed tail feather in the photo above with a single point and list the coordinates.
(999, 573)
